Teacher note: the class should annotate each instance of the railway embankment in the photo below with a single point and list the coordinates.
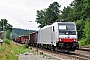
(10, 50)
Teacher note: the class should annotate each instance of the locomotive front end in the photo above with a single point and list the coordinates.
(67, 39)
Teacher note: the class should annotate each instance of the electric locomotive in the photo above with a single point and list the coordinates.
(60, 36)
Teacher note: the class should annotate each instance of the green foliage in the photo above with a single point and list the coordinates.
(67, 13)
(87, 31)
(52, 13)
(7, 41)
(4, 25)
(10, 56)
(41, 18)
(1, 49)
(48, 15)
(8, 34)
(25, 46)
(82, 42)
(11, 52)
(80, 28)
(19, 50)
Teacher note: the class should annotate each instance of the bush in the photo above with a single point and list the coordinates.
(7, 41)
(25, 46)
(82, 42)
(11, 52)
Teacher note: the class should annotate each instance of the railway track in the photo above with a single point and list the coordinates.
(72, 56)
(77, 55)
(84, 49)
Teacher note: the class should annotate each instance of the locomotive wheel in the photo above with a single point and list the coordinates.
(41, 47)
(52, 48)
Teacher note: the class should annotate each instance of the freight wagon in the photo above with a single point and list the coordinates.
(17, 40)
(60, 36)
(21, 39)
(24, 39)
(33, 38)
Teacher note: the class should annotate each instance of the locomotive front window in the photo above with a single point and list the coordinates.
(65, 29)
(62, 27)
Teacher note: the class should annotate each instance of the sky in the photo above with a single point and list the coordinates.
(20, 12)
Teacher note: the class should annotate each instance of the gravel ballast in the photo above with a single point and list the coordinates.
(30, 56)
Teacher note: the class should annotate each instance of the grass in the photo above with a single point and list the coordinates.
(11, 51)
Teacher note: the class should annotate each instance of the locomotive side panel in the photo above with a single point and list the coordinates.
(46, 35)
(38, 37)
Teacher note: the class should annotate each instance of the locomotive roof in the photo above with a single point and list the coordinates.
(57, 23)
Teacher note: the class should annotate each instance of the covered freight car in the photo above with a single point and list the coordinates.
(33, 38)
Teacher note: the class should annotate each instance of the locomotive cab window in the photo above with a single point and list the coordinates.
(66, 28)
(53, 28)
(63, 27)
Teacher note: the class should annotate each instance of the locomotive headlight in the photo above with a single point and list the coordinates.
(60, 39)
(74, 40)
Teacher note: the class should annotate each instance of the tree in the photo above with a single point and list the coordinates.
(7, 34)
(49, 15)
(87, 31)
(4, 25)
(40, 18)
(66, 13)
(86, 9)
(78, 7)
(80, 29)
(52, 13)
